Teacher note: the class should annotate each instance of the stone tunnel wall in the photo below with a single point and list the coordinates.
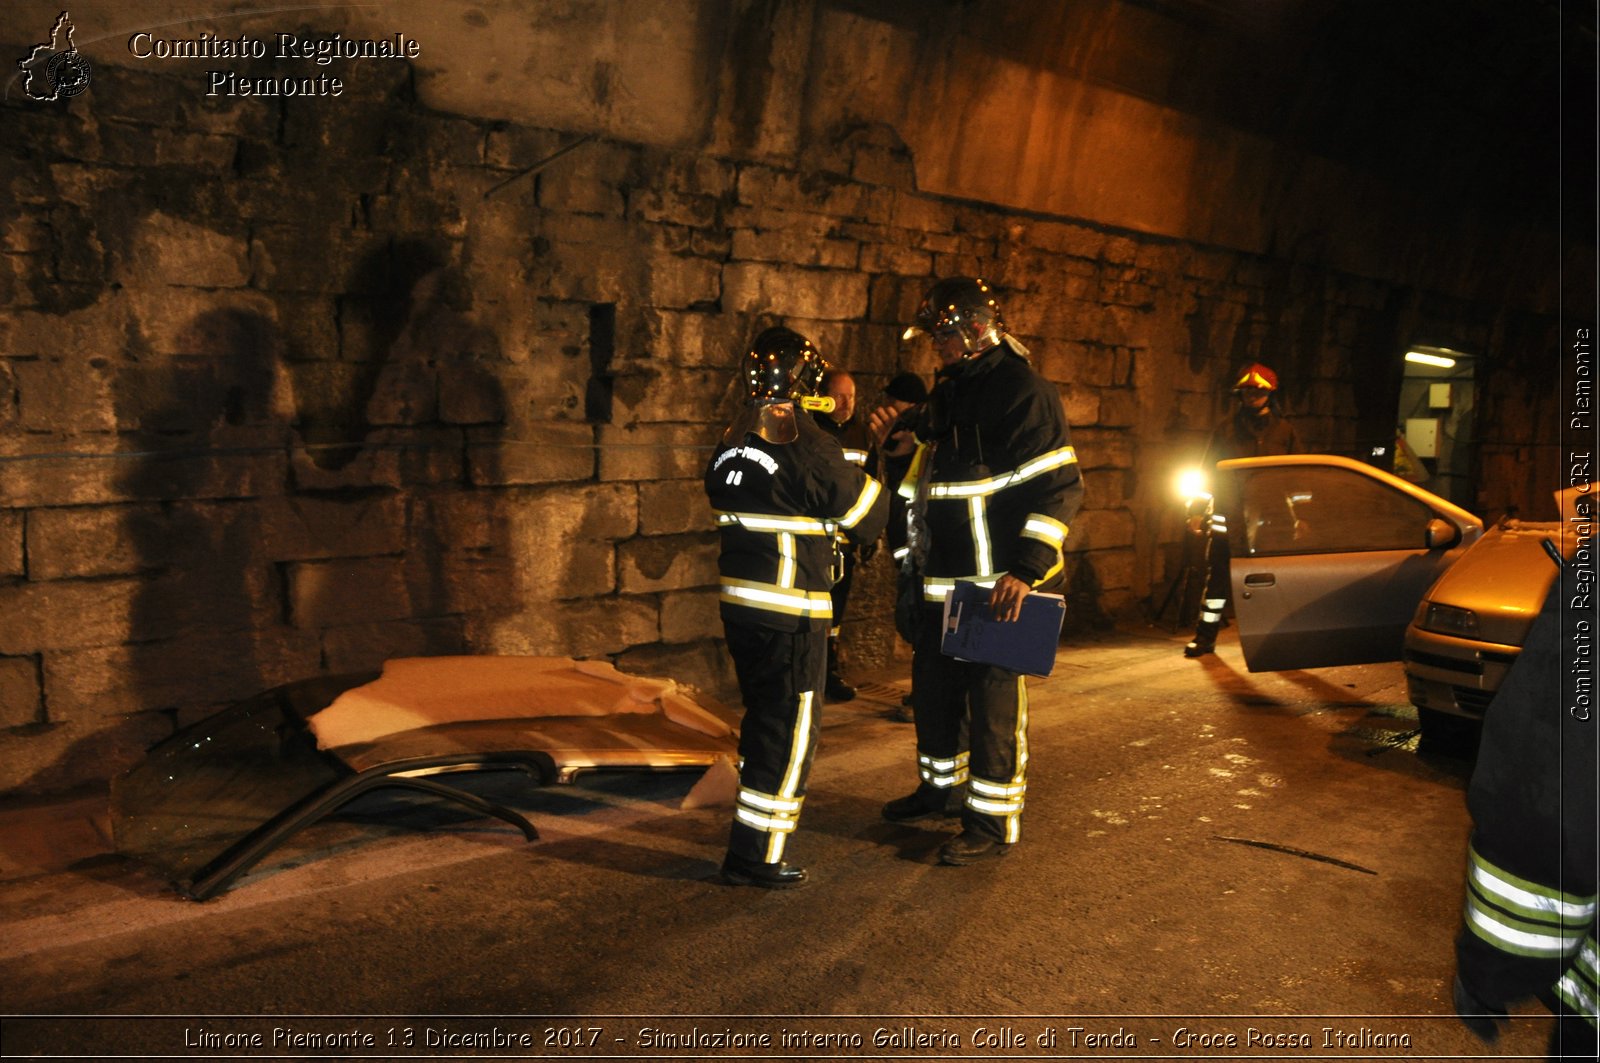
(290, 388)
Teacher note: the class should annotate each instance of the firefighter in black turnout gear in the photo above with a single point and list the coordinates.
(782, 490)
(1529, 922)
(1255, 429)
(993, 483)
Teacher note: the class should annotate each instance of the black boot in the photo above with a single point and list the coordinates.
(836, 689)
(925, 802)
(740, 871)
(1204, 641)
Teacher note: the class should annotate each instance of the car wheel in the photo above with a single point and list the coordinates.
(1447, 734)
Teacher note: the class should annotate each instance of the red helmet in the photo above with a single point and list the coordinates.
(1256, 375)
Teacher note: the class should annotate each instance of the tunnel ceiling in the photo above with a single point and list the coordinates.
(1461, 97)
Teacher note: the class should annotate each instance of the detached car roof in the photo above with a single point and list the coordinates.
(211, 801)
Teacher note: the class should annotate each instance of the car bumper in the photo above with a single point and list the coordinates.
(1454, 675)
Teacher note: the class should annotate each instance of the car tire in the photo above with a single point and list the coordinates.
(1449, 735)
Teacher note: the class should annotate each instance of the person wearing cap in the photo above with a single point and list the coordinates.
(860, 449)
(992, 485)
(781, 490)
(1255, 428)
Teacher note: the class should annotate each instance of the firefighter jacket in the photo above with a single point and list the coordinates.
(779, 507)
(994, 479)
(1529, 921)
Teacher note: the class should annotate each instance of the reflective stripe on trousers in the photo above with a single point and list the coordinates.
(780, 673)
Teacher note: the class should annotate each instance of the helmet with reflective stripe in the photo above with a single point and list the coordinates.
(1256, 375)
(964, 306)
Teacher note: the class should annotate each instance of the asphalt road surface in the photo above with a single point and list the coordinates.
(1214, 865)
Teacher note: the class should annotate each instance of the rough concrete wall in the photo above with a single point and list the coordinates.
(291, 387)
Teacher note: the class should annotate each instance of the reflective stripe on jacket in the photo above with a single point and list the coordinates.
(778, 509)
(1004, 481)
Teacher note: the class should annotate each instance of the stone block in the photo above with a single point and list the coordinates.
(180, 252)
(592, 627)
(655, 451)
(66, 614)
(920, 214)
(896, 258)
(794, 248)
(60, 757)
(687, 616)
(347, 591)
(562, 542)
(90, 480)
(404, 393)
(652, 393)
(1113, 569)
(552, 452)
(694, 338)
(826, 295)
(1106, 489)
(286, 258)
(1081, 403)
(703, 665)
(667, 563)
(552, 386)
(1065, 238)
(577, 189)
(471, 395)
(1100, 448)
(668, 507)
(64, 394)
(1119, 408)
(360, 458)
(1102, 529)
(364, 647)
(516, 147)
(97, 541)
(665, 205)
(678, 281)
(21, 697)
(818, 193)
(306, 528)
(12, 561)
(192, 675)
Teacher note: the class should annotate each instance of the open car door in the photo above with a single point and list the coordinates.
(1331, 557)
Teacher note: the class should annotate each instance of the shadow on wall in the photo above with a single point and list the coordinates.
(284, 524)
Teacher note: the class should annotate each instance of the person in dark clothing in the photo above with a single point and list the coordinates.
(993, 483)
(1528, 927)
(781, 489)
(893, 426)
(861, 450)
(1254, 429)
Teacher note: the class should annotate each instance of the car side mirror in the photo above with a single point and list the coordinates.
(1442, 534)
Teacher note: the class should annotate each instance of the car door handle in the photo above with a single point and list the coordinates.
(1261, 579)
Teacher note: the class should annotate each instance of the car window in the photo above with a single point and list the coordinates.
(1306, 509)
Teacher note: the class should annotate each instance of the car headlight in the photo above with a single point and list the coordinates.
(1450, 620)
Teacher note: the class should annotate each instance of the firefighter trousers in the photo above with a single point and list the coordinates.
(780, 681)
(972, 728)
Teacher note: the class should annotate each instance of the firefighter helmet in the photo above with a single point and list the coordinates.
(963, 306)
(781, 368)
(1256, 375)
(782, 365)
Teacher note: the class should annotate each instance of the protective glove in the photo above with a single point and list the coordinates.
(1482, 1019)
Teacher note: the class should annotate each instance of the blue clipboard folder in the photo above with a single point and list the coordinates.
(1026, 645)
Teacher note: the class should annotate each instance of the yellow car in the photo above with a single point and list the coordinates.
(1337, 562)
